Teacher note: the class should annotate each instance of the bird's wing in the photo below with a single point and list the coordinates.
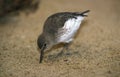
(55, 22)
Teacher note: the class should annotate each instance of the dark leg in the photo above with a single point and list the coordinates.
(65, 47)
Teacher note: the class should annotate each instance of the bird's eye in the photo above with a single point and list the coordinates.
(45, 44)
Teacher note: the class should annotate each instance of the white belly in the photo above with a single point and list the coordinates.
(69, 29)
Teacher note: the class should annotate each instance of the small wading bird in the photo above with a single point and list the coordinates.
(59, 28)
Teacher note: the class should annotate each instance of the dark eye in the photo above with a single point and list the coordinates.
(45, 45)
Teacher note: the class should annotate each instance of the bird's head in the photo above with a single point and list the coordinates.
(42, 44)
(41, 41)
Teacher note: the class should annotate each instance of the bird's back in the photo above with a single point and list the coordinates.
(56, 21)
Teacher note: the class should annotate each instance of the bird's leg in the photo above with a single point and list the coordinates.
(65, 47)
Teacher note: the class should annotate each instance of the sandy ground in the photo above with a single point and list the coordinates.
(95, 52)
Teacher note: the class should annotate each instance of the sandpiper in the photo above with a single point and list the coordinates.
(59, 28)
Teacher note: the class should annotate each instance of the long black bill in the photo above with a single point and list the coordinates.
(84, 13)
(42, 53)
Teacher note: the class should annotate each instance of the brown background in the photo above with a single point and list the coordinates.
(95, 52)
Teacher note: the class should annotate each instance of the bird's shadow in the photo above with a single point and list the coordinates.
(56, 57)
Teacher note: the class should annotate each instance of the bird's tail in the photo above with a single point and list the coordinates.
(85, 13)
